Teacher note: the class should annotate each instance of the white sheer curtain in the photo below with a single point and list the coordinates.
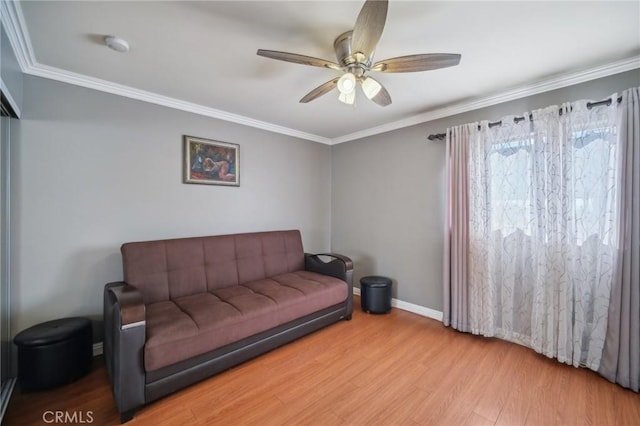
(542, 229)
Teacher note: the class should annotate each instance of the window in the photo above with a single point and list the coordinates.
(519, 189)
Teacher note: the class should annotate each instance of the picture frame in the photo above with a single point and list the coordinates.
(211, 162)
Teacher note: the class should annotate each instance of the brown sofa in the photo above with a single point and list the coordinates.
(190, 308)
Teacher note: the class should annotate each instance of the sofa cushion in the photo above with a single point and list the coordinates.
(170, 269)
(191, 325)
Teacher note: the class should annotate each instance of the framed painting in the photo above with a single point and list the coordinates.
(211, 162)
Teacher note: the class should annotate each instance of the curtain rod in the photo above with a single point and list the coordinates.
(607, 102)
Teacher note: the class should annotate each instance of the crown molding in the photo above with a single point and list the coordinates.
(16, 29)
(552, 83)
(13, 20)
(57, 74)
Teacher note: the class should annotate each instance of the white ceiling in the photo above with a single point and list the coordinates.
(201, 56)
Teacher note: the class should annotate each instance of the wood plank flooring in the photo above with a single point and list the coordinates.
(395, 369)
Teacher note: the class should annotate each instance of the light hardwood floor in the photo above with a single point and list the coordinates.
(395, 369)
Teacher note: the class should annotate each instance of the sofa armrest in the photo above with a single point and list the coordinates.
(339, 266)
(132, 310)
(124, 339)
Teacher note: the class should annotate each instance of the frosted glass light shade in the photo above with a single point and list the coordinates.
(347, 83)
(370, 87)
(348, 98)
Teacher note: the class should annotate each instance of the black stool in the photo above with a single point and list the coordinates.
(375, 294)
(54, 353)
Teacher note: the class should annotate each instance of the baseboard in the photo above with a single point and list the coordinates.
(417, 309)
(97, 349)
(5, 395)
(411, 307)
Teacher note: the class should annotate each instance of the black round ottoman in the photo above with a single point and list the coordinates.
(54, 353)
(375, 294)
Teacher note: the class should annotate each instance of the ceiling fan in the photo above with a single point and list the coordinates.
(354, 51)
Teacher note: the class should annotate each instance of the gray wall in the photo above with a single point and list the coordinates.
(91, 171)
(10, 71)
(388, 194)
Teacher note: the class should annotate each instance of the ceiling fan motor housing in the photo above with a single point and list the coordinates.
(345, 56)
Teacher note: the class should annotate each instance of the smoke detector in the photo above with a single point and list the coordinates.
(117, 44)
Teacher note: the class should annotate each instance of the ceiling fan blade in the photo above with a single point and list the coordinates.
(298, 59)
(369, 26)
(414, 63)
(320, 90)
(375, 91)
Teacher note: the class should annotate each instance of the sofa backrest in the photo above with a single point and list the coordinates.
(166, 269)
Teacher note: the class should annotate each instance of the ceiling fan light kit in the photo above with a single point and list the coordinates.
(354, 51)
(347, 83)
(348, 98)
(370, 87)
